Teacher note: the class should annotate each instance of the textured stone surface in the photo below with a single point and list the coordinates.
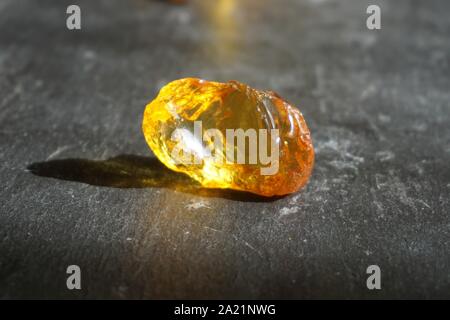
(376, 102)
(193, 126)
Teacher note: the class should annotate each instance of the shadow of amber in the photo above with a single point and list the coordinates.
(131, 171)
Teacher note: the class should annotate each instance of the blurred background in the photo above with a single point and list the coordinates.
(80, 185)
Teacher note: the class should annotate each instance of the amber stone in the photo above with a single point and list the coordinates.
(173, 119)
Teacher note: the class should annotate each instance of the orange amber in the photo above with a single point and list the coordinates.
(229, 135)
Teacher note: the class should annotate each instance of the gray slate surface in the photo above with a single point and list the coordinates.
(80, 186)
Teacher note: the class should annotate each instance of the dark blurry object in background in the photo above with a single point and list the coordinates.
(176, 1)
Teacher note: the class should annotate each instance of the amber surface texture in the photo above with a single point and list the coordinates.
(171, 121)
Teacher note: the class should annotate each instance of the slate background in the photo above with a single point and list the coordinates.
(80, 186)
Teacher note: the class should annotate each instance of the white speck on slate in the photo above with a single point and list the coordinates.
(194, 205)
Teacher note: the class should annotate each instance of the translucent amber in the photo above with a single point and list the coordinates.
(173, 118)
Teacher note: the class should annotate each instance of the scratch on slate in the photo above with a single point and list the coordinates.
(424, 203)
(57, 152)
(238, 240)
(247, 244)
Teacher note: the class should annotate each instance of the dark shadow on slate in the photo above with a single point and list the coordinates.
(131, 171)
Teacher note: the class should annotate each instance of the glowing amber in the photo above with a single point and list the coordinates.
(184, 104)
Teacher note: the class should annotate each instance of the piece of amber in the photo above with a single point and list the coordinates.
(229, 135)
